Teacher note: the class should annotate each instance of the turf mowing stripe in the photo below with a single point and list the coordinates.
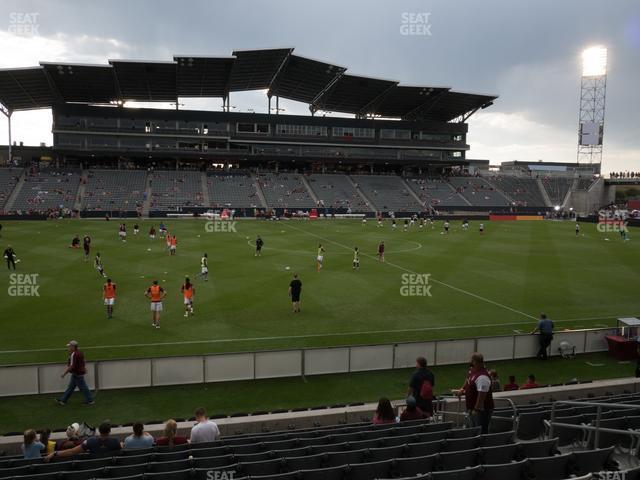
(444, 284)
(290, 337)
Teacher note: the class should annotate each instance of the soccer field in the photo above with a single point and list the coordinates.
(497, 283)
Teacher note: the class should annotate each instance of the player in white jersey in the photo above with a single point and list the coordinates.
(204, 268)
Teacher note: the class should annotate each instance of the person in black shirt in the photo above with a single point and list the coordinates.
(86, 245)
(295, 289)
(418, 378)
(259, 244)
(10, 256)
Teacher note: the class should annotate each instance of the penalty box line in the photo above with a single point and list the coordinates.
(444, 284)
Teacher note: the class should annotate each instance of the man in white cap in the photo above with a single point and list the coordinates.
(76, 367)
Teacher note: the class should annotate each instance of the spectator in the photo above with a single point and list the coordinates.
(72, 439)
(545, 327)
(31, 448)
(49, 445)
(76, 367)
(512, 385)
(171, 437)
(477, 392)
(102, 444)
(530, 383)
(495, 381)
(423, 394)
(384, 412)
(139, 438)
(412, 412)
(204, 430)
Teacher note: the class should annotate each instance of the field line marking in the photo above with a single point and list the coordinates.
(289, 337)
(444, 284)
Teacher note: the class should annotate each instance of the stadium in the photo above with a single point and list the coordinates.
(261, 292)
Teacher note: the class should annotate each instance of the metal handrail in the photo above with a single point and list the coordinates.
(597, 428)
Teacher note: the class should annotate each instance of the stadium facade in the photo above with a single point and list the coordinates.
(413, 126)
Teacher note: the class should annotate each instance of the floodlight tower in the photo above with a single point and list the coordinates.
(593, 90)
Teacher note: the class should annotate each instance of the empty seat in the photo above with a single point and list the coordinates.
(494, 439)
(269, 467)
(541, 448)
(310, 462)
(531, 424)
(591, 461)
(499, 454)
(337, 459)
(462, 474)
(463, 458)
(550, 468)
(367, 471)
(506, 471)
(454, 445)
(410, 467)
(424, 448)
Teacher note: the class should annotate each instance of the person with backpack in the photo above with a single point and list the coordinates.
(421, 386)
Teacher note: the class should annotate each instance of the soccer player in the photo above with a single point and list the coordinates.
(204, 267)
(295, 289)
(188, 291)
(163, 229)
(465, 224)
(136, 229)
(167, 240)
(122, 232)
(109, 296)
(364, 221)
(173, 246)
(381, 252)
(86, 245)
(421, 222)
(152, 233)
(393, 223)
(356, 259)
(406, 224)
(446, 227)
(97, 263)
(481, 229)
(75, 242)
(320, 258)
(155, 293)
(10, 257)
(379, 215)
(259, 244)
(577, 229)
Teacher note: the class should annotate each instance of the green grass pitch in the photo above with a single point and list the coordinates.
(480, 285)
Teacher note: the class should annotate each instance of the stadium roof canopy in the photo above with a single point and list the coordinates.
(281, 73)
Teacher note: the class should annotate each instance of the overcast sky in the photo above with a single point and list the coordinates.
(528, 53)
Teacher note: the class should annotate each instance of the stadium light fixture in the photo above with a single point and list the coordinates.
(594, 61)
(557, 208)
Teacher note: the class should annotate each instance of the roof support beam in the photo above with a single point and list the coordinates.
(315, 104)
(429, 104)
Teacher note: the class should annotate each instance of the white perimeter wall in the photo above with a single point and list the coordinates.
(112, 374)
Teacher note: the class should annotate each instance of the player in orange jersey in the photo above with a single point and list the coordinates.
(188, 291)
(109, 296)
